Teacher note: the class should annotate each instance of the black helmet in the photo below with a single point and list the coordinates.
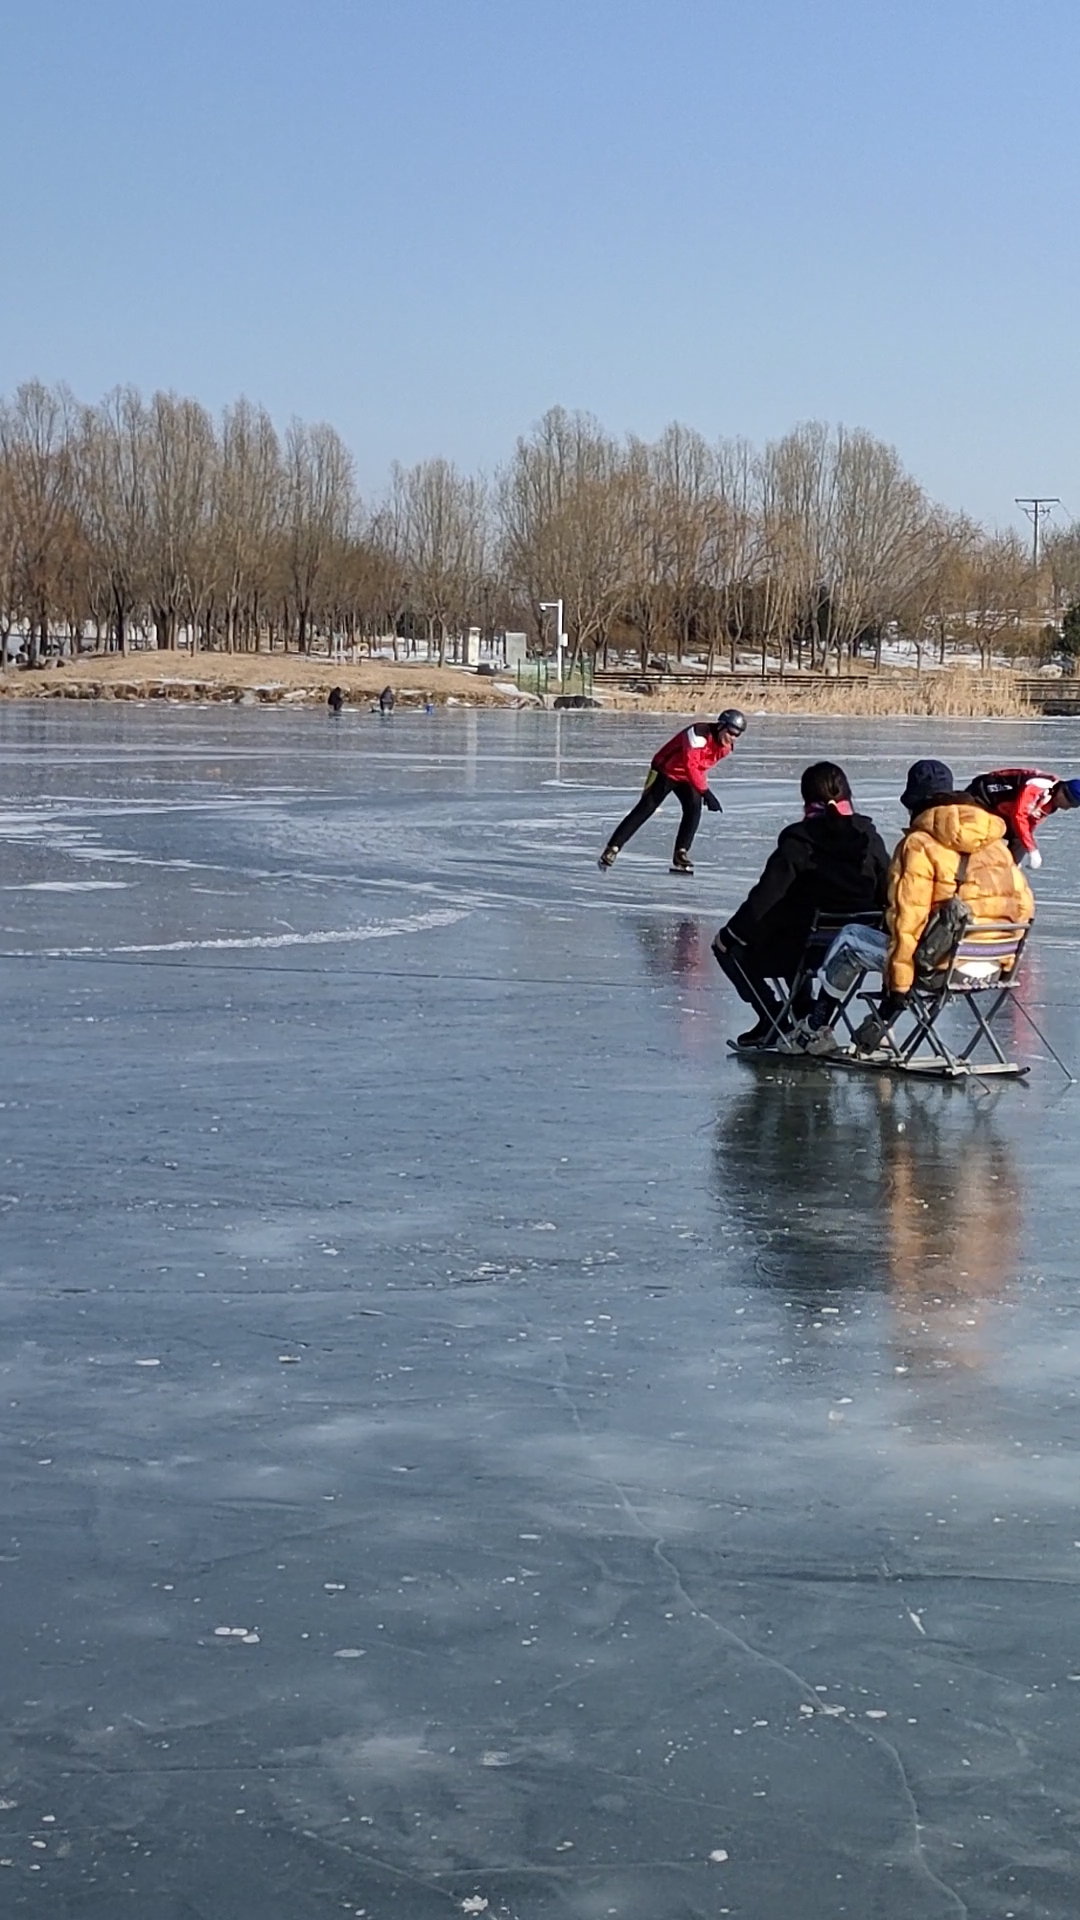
(731, 721)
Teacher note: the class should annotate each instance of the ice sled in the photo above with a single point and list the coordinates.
(969, 992)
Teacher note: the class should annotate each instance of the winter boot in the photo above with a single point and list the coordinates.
(755, 1036)
(809, 1039)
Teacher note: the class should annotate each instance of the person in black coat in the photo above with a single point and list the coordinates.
(833, 860)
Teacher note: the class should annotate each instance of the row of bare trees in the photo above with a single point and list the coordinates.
(139, 522)
(815, 549)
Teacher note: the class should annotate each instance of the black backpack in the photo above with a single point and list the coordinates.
(943, 931)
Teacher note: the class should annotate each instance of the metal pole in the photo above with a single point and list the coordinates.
(559, 639)
(556, 607)
(1037, 507)
(1020, 1008)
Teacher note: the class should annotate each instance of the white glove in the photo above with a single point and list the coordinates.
(1034, 859)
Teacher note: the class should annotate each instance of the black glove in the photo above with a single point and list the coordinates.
(869, 1033)
(711, 801)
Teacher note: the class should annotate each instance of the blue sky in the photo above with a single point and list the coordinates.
(429, 220)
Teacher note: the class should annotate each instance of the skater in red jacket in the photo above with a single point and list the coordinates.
(681, 767)
(1023, 797)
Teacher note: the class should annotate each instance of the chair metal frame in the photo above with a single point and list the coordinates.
(824, 928)
(921, 1048)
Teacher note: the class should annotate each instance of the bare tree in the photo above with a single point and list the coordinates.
(113, 455)
(995, 582)
(670, 490)
(928, 605)
(319, 505)
(9, 559)
(37, 430)
(566, 505)
(248, 520)
(180, 457)
(440, 521)
(797, 480)
(735, 550)
(879, 527)
(1061, 551)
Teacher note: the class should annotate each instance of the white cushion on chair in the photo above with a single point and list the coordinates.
(979, 969)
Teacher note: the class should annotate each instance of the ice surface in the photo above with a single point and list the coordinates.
(467, 1439)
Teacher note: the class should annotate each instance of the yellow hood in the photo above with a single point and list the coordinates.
(961, 825)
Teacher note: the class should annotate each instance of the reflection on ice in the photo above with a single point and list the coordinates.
(674, 948)
(812, 1157)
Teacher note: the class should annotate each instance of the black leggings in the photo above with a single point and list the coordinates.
(751, 982)
(741, 965)
(657, 788)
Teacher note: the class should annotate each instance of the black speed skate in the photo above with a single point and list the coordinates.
(681, 862)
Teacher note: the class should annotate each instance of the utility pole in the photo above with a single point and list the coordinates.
(1037, 509)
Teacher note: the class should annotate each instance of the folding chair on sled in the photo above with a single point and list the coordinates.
(977, 979)
(823, 931)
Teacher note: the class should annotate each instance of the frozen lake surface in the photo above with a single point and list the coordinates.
(469, 1444)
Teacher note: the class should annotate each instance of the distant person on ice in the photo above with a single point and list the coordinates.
(681, 767)
(387, 702)
(833, 860)
(335, 699)
(1023, 797)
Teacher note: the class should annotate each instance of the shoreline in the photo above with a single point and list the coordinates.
(298, 680)
(254, 680)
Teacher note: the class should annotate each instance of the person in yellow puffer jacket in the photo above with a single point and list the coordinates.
(923, 873)
(945, 826)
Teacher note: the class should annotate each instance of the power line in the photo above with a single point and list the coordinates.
(1037, 508)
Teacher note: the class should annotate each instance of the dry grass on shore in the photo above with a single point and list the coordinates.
(958, 695)
(297, 679)
(267, 678)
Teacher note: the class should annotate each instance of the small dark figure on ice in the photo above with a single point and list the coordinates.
(335, 699)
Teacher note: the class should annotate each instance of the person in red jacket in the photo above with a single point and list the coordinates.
(681, 767)
(1023, 797)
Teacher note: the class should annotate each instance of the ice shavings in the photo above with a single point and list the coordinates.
(319, 937)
